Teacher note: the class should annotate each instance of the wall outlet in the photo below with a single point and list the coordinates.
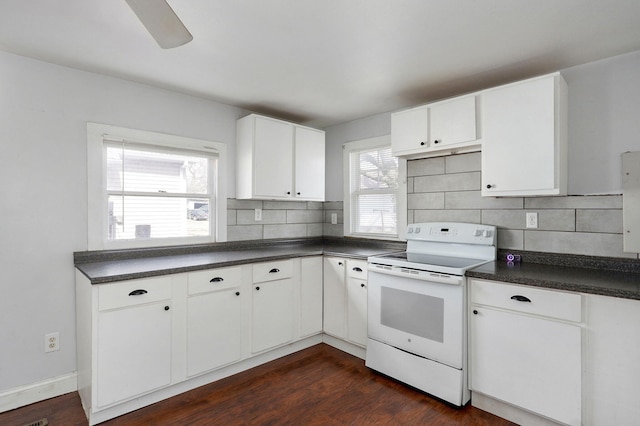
(258, 215)
(334, 218)
(532, 219)
(52, 342)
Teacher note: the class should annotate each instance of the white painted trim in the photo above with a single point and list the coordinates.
(96, 163)
(401, 195)
(344, 346)
(35, 392)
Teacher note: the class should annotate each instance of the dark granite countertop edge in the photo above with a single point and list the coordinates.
(556, 285)
(574, 260)
(605, 276)
(192, 268)
(98, 266)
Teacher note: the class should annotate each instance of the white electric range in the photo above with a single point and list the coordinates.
(416, 306)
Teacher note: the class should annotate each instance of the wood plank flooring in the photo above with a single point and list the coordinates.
(317, 386)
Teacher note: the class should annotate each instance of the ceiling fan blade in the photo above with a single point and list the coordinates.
(161, 22)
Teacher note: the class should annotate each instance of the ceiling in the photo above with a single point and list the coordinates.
(322, 62)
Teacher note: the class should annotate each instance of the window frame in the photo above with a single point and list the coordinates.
(98, 135)
(352, 148)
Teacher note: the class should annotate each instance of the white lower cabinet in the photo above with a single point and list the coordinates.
(310, 296)
(272, 302)
(335, 297)
(613, 368)
(133, 339)
(140, 341)
(526, 348)
(134, 351)
(357, 302)
(345, 299)
(214, 326)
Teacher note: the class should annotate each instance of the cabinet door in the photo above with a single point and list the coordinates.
(272, 321)
(613, 351)
(134, 351)
(530, 362)
(213, 330)
(522, 150)
(334, 297)
(309, 164)
(273, 158)
(410, 131)
(357, 310)
(453, 121)
(310, 296)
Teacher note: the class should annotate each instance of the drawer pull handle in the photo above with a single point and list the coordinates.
(166, 308)
(357, 269)
(138, 292)
(258, 288)
(274, 271)
(237, 293)
(362, 285)
(216, 280)
(475, 312)
(520, 298)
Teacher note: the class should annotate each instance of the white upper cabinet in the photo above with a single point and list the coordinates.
(453, 122)
(445, 125)
(524, 146)
(277, 160)
(410, 131)
(309, 163)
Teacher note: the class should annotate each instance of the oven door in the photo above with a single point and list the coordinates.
(417, 311)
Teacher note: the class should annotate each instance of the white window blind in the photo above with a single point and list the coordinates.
(374, 191)
(156, 192)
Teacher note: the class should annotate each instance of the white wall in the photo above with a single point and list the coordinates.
(604, 122)
(43, 193)
(336, 136)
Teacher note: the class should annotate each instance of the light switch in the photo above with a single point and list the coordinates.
(258, 215)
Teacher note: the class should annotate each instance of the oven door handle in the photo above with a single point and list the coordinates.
(415, 274)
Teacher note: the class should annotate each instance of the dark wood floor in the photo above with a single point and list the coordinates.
(318, 386)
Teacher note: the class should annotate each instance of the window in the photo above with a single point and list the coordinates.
(150, 189)
(375, 190)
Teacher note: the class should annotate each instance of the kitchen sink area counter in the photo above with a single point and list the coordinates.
(585, 274)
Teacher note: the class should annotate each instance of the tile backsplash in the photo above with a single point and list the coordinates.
(280, 219)
(448, 189)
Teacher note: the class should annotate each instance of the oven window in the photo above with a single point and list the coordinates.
(414, 313)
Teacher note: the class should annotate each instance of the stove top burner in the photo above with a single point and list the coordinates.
(444, 247)
(429, 262)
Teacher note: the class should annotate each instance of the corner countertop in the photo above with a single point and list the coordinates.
(584, 274)
(119, 265)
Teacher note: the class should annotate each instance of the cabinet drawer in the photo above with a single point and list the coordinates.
(271, 271)
(134, 292)
(357, 269)
(549, 303)
(214, 279)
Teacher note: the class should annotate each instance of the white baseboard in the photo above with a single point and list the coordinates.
(25, 395)
(344, 346)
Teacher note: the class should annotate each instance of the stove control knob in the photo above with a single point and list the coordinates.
(486, 233)
(477, 232)
(410, 230)
(417, 230)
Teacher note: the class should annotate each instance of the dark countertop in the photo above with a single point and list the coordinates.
(606, 277)
(585, 274)
(118, 265)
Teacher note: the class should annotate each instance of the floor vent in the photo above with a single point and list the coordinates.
(41, 422)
